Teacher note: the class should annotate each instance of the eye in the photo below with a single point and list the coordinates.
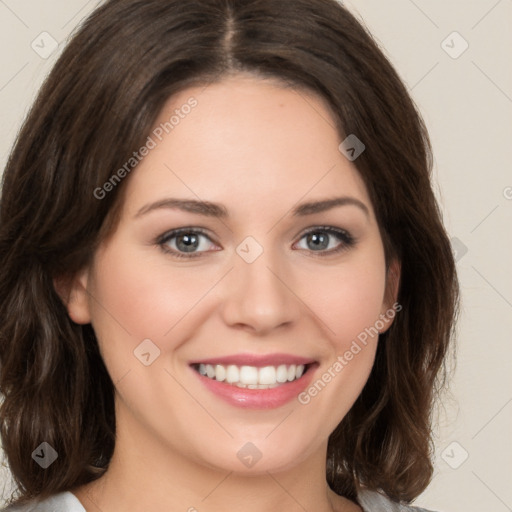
(192, 242)
(185, 242)
(327, 240)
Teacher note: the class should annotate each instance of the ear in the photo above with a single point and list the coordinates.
(390, 306)
(73, 293)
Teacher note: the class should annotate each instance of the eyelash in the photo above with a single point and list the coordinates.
(345, 237)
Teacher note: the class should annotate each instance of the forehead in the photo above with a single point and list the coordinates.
(244, 141)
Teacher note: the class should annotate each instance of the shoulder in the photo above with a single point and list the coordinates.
(62, 502)
(372, 501)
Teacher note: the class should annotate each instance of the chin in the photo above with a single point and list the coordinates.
(257, 456)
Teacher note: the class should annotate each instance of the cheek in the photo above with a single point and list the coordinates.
(349, 298)
(143, 294)
(136, 296)
(349, 306)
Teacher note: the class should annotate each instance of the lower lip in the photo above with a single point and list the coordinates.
(270, 398)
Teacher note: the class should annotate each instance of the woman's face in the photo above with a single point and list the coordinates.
(265, 284)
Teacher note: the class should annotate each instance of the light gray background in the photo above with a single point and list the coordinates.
(467, 104)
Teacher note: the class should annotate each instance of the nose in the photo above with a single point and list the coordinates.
(259, 297)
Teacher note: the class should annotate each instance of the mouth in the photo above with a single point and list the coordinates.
(255, 381)
(253, 377)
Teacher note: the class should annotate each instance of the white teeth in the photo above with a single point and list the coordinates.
(249, 375)
(267, 375)
(210, 372)
(220, 373)
(252, 377)
(232, 374)
(282, 373)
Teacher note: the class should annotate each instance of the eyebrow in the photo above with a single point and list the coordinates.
(217, 210)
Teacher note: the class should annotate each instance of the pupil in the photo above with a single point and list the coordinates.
(320, 241)
(190, 241)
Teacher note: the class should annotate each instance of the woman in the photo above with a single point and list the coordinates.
(225, 278)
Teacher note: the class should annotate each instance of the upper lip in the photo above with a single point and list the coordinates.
(258, 360)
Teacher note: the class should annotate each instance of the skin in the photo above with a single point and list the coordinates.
(259, 149)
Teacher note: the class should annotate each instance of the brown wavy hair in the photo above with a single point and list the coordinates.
(95, 109)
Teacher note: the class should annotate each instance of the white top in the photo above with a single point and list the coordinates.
(370, 501)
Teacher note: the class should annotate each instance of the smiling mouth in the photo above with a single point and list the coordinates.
(253, 377)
